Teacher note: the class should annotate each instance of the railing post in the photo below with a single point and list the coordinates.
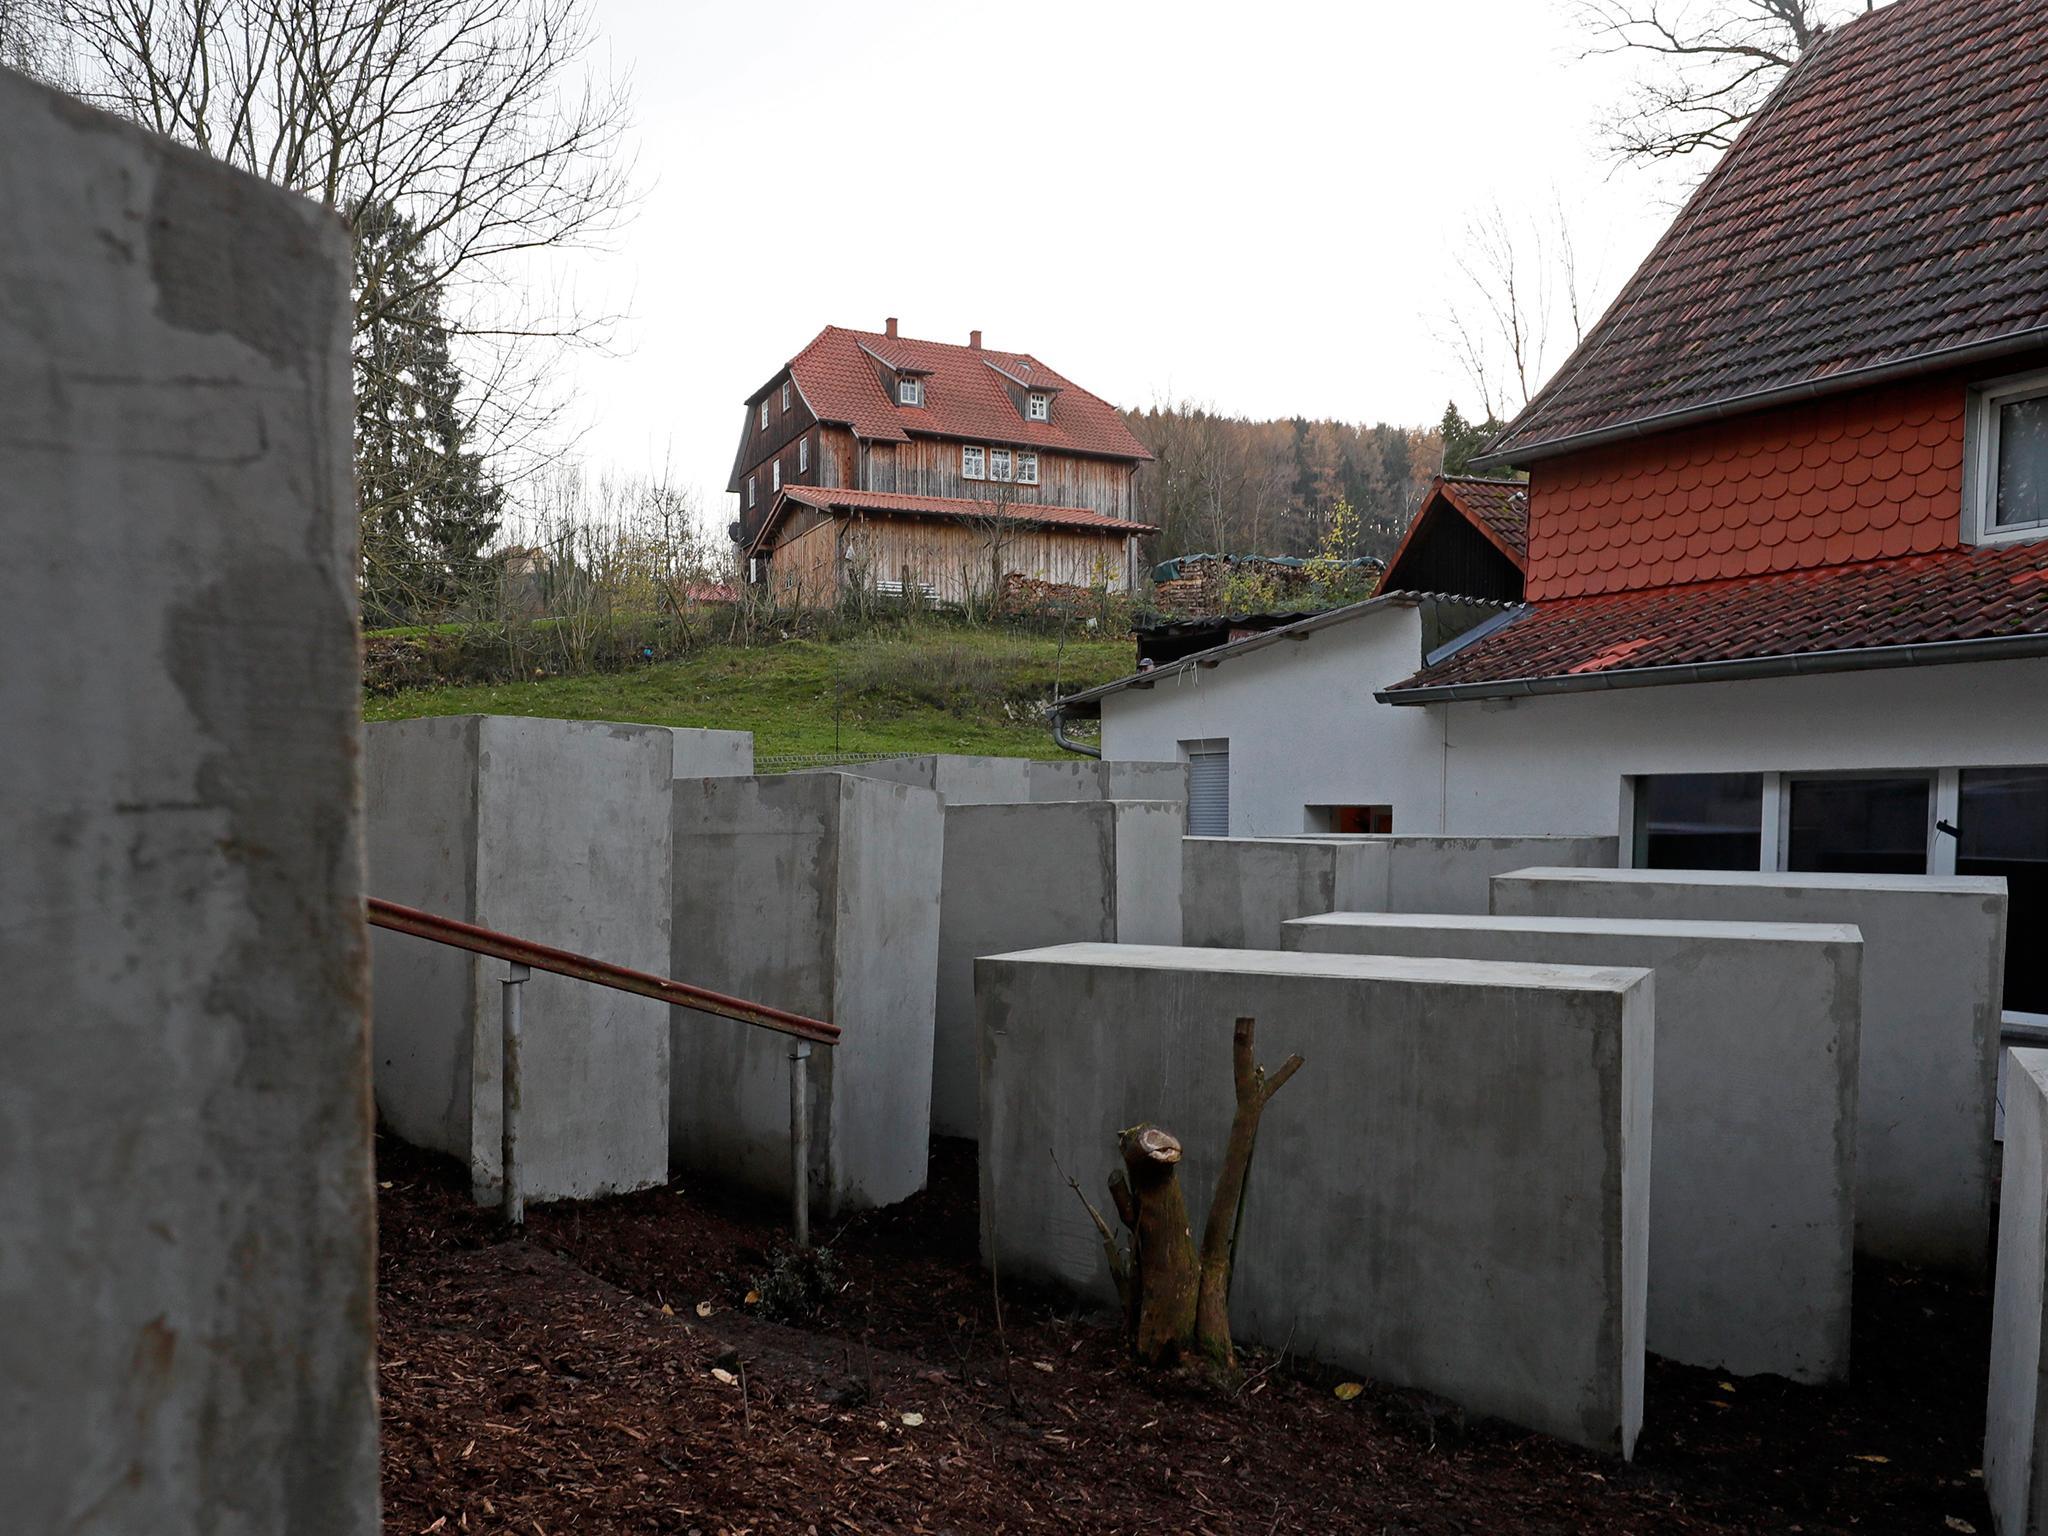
(510, 1085)
(800, 1141)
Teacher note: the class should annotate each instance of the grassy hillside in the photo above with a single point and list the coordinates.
(934, 689)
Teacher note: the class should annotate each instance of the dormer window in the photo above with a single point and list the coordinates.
(2006, 478)
(785, 397)
(1038, 407)
(764, 414)
(973, 462)
(910, 391)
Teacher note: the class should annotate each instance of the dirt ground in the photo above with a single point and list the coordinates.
(607, 1373)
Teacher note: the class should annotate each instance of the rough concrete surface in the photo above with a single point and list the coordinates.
(185, 1188)
(1024, 876)
(817, 893)
(1451, 1194)
(1237, 891)
(712, 754)
(1096, 779)
(1933, 974)
(957, 778)
(1753, 1173)
(553, 830)
(2015, 1436)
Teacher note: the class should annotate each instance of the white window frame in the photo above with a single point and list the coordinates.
(764, 413)
(1027, 469)
(1038, 407)
(1980, 460)
(910, 392)
(973, 462)
(785, 397)
(803, 455)
(776, 485)
(1001, 464)
(750, 490)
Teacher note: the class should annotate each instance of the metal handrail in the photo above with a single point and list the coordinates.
(524, 956)
(563, 962)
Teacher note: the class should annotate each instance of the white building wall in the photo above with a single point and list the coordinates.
(1304, 729)
(1302, 725)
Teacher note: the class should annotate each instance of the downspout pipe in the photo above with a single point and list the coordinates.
(1059, 720)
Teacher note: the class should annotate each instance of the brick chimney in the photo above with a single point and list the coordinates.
(974, 340)
(889, 327)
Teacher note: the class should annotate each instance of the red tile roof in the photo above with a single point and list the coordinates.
(1497, 508)
(1887, 207)
(1078, 519)
(964, 395)
(1974, 594)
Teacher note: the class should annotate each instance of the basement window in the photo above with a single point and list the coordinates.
(910, 391)
(1027, 469)
(1038, 407)
(973, 462)
(1351, 820)
(2005, 493)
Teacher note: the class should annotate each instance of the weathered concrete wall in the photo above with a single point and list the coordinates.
(1451, 1194)
(712, 754)
(2015, 1434)
(1025, 876)
(555, 830)
(1237, 891)
(817, 893)
(1455, 874)
(961, 780)
(1094, 779)
(185, 1190)
(1752, 1186)
(1933, 966)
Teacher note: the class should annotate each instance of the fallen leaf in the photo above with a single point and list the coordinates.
(1727, 1386)
(1042, 1365)
(1870, 1458)
(386, 1184)
(913, 1419)
(1347, 1390)
(705, 1309)
(720, 1373)
(753, 1297)
(667, 1310)
(1958, 1523)
(1976, 1472)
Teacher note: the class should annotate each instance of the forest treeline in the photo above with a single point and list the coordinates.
(1226, 484)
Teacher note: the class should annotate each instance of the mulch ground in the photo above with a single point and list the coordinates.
(607, 1373)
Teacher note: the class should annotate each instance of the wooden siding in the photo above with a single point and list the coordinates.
(954, 559)
(760, 447)
(931, 467)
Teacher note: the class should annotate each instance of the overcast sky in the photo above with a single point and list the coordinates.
(1254, 207)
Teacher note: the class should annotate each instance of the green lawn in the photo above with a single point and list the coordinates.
(929, 690)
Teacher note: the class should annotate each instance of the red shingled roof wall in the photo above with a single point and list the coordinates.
(965, 397)
(1850, 478)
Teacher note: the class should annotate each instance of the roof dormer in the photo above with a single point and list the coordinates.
(1030, 390)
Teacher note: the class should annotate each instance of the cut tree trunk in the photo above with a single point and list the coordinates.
(1176, 1299)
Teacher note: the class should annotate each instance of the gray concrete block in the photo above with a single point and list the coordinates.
(1098, 779)
(1752, 1188)
(554, 830)
(959, 779)
(712, 754)
(1237, 891)
(1024, 876)
(2015, 1433)
(185, 1188)
(1430, 873)
(817, 893)
(1933, 968)
(1451, 1194)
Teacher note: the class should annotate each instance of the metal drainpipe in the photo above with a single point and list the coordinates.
(1058, 719)
(512, 1204)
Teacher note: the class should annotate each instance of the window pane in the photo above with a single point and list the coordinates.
(1699, 821)
(2003, 821)
(2023, 461)
(1859, 826)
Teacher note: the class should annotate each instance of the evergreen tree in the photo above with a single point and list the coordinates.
(427, 502)
(1463, 439)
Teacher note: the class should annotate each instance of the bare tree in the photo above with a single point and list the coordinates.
(1520, 308)
(1711, 65)
(462, 140)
